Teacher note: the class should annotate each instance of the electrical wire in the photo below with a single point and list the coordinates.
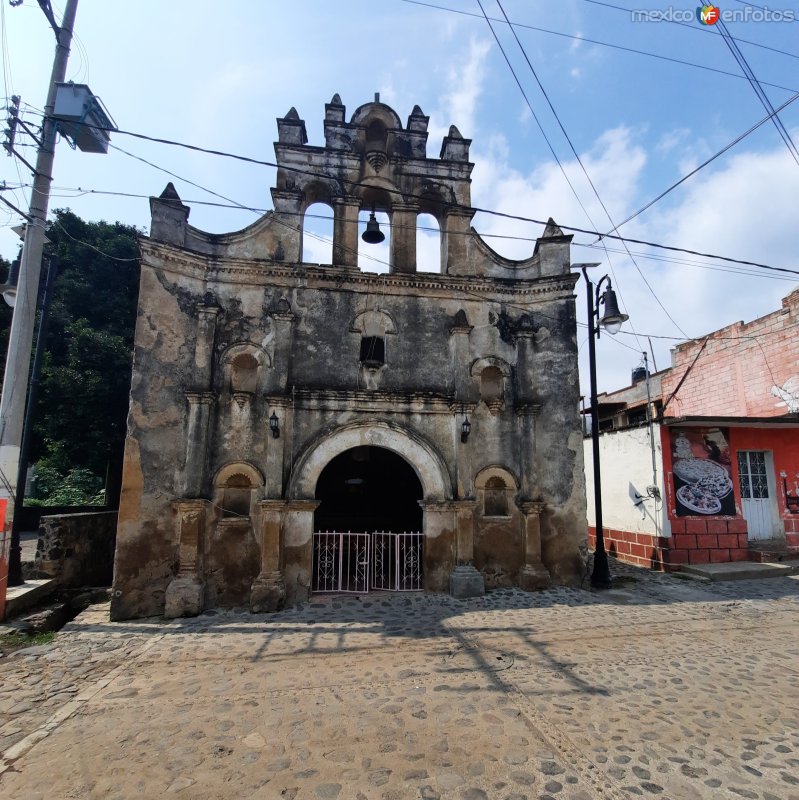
(599, 42)
(543, 132)
(298, 229)
(90, 246)
(709, 160)
(758, 89)
(661, 258)
(585, 172)
(447, 205)
(695, 28)
(79, 192)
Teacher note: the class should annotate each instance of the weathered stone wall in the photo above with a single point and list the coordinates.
(77, 549)
(233, 332)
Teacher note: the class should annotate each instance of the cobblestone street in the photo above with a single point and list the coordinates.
(664, 687)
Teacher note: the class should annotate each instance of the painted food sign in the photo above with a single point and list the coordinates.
(701, 468)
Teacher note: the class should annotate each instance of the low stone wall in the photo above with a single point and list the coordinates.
(77, 549)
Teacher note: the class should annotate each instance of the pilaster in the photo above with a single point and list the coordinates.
(191, 481)
(185, 594)
(268, 592)
(533, 575)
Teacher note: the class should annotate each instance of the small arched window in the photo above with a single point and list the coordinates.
(491, 388)
(373, 351)
(236, 496)
(244, 373)
(495, 501)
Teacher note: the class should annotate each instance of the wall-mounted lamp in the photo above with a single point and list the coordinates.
(274, 426)
(466, 429)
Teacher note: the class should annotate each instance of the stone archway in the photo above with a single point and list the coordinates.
(430, 468)
(439, 511)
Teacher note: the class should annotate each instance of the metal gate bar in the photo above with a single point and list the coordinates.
(397, 561)
(340, 562)
(356, 562)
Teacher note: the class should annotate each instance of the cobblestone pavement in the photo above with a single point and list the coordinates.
(665, 687)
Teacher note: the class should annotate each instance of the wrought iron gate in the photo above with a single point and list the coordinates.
(397, 561)
(356, 562)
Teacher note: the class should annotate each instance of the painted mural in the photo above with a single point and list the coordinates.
(701, 469)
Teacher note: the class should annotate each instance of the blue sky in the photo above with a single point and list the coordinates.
(217, 75)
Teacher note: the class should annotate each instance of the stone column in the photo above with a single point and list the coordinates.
(288, 205)
(204, 346)
(200, 400)
(456, 235)
(268, 592)
(533, 575)
(439, 544)
(403, 237)
(281, 363)
(345, 231)
(528, 473)
(465, 580)
(191, 482)
(298, 548)
(185, 593)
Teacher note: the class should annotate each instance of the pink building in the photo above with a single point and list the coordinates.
(715, 477)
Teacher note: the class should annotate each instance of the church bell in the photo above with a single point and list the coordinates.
(373, 234)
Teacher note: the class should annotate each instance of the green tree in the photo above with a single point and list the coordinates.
(80, 418)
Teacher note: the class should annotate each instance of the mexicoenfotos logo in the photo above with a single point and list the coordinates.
(708, 15)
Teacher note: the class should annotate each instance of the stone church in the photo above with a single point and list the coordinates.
(298, 427)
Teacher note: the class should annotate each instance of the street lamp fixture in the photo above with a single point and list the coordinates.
(611, 320)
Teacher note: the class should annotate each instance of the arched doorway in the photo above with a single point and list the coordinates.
(368, 525)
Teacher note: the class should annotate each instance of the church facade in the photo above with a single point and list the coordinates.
(298, 427)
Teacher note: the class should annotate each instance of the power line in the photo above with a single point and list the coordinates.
(599, 42)
(585, 171)
(708, 161)
(448, 205)
(247, 208)
(696, 29)
(80, 192)
(761, 95)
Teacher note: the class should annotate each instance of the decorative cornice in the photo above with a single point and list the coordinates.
(457, 407)
(265, 272)
(527, 409)
(201, 398)
(358, 400)
(194, 504)
(467, 329)
(532, 507)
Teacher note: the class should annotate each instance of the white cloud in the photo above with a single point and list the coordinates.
(458, 105)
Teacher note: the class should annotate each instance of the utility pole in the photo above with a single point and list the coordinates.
(18, 362)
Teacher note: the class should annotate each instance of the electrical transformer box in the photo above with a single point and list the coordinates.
(80, 116)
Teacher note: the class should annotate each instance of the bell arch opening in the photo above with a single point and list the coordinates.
(367, 489)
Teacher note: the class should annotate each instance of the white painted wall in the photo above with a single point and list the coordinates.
(625, 460)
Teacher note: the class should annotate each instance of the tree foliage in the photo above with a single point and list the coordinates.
(80, 418)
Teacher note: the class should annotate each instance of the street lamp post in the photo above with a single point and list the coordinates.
(611, 321)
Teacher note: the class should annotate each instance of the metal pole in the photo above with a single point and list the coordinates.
(600, 577)
(18, 361)
(15, 553)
